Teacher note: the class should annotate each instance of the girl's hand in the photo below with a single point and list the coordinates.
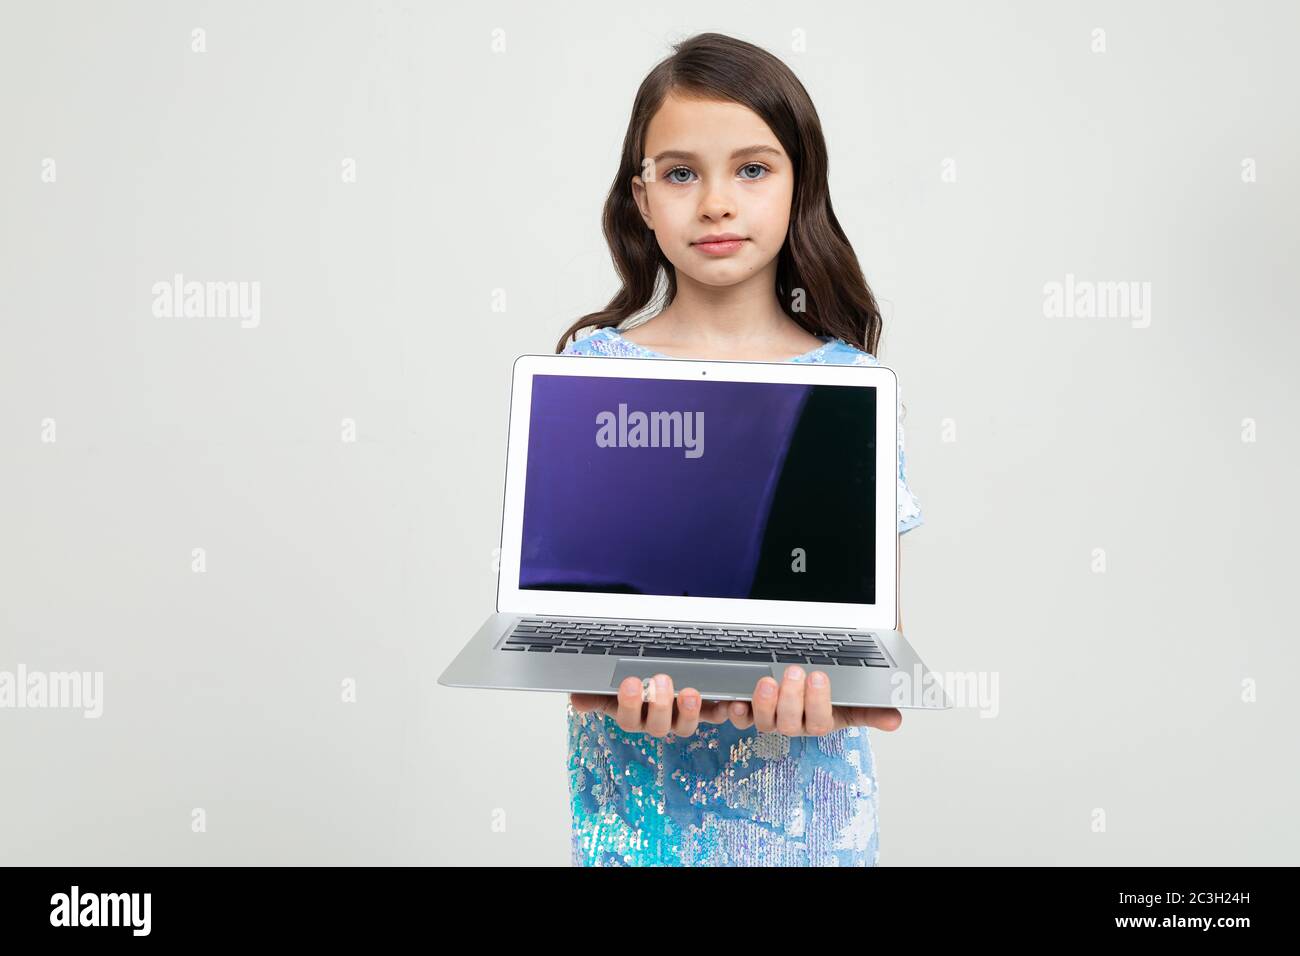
(797, 707)
(680, 715)
(801, 707)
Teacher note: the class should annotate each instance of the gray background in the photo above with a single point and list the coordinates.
(479, 171)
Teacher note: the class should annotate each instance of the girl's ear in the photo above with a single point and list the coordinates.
(642, 203)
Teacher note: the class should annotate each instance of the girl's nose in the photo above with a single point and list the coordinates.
(716, 204)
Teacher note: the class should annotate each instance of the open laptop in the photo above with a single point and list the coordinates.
(712, 520)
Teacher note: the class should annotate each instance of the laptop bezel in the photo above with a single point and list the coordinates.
(515, 600)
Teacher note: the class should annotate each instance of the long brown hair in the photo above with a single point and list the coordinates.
(816, 256)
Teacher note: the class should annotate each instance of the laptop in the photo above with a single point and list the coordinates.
(712, 520)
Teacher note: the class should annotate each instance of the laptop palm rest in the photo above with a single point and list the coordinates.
(705, 677)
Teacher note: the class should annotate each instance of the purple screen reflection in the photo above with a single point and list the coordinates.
(747, 473)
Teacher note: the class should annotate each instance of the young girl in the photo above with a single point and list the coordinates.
(721, 195)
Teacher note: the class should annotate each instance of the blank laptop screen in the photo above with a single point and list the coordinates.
(701, 489)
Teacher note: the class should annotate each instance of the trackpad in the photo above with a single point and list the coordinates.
(708, 679)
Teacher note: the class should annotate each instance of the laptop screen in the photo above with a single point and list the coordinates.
(718, 489)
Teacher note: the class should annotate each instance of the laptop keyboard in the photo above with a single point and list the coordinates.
(686, 642)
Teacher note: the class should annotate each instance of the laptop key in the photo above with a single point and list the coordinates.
(738, 656)
(540, 647)
(820, 660)
(631, 650)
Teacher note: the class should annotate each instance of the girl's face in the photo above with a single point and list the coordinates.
(714, 168)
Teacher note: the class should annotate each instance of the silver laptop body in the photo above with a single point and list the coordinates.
(714, 521)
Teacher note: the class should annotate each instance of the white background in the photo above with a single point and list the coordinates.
(479, 171)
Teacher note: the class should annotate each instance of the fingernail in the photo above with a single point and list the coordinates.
(794, 672)
(661, 683)
(766, 690)
(689, 702)
(738, 708)
(818, 679)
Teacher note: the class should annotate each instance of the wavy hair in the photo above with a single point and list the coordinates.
(816, 257)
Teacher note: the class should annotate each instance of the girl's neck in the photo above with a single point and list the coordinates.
(743, 317)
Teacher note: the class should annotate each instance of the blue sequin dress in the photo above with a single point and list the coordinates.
(723, 796)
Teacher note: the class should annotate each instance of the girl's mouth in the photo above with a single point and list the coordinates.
(724, 247)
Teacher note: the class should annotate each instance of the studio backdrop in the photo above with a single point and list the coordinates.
(260, 520)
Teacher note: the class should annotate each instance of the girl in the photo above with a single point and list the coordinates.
(721, 194)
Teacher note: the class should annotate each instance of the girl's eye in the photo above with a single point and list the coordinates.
(759, 167)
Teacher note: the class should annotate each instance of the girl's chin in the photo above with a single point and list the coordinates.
(718, 274)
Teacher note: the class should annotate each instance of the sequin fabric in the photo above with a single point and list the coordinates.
(725, 796)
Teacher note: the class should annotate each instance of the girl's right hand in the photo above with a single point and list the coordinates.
(679, 714)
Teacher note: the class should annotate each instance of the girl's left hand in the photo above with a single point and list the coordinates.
(800, 706)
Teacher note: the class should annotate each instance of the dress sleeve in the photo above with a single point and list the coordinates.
(909, 509)
(588, 344)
